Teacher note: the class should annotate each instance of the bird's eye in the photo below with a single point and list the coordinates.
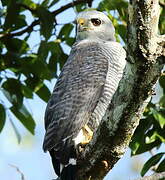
(95, 21)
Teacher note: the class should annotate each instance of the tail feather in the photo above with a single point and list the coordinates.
(68, 172)
(55, 162)
(65, 171)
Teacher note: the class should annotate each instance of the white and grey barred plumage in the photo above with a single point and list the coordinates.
(84, 88)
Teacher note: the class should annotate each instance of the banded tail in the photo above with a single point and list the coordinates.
(64, 160)
(64, 171)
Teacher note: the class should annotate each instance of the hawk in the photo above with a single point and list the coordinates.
(83, 90)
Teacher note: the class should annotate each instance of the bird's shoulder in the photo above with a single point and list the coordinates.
(99, 45)
(88, 43)
(115, 46)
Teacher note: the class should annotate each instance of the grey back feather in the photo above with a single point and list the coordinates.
(83, 91)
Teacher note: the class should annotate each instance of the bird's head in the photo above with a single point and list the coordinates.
(94, 25)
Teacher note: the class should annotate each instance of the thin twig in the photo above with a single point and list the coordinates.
(18, 170)
(19, 33)
(69, 5)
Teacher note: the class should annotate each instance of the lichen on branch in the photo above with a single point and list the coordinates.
(145, 62)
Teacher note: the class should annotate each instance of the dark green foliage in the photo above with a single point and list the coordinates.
(46, 21)
(151, 162)
(24, 116)
(13, 11)
(161, 167)
(162, 17)
(24, 69)
(12, 91)
(118, 13)
(151, 132)
(2, 117)
(162, 82)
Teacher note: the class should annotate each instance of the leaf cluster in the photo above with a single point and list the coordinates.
(24, 68)
(150, 134)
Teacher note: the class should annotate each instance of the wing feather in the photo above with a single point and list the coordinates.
(76, 93)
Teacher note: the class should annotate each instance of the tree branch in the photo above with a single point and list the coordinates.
(18, 170)
(29, 28)
(155, 176)
(143, 69)
(69, 5)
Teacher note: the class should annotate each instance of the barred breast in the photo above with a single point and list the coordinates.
(116, 57)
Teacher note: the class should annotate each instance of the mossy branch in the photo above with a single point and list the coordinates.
(145, 62)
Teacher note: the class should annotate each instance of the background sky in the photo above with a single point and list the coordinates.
(28, 155)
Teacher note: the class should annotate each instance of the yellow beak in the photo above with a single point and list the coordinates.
(81, 21)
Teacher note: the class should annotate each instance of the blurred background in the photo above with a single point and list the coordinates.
(20, 151)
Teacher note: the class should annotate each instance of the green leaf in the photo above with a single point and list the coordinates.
(151, 162)
(161, 167)
(143, 147)
(53, 2)
(118, 8)
(112, 4)
(147, 135)
(162, 19)
(5, 2)
(70, 41)
(27, 65)
(20, 22)
(159, 117)
(57, 51)
(138, 140)
(7, 95)
(162, 82)
(62, 60)
(122, 31)
(44, 93)
(12, 91)
(41, 70)
(2, 117)
(65, 31)
(162, 101)
(1, 47)
(54, 47)
(81, 7)
(16, 45)
(47, 21)
(43, 51)
(52, 65)
(35, 68)
(154, 137)
(134, 147)
(18, 136)
(12, 13)
(48, 3)
(33, 82)
(45, 3)
(27, 92)
(29, 3)
(25, 117)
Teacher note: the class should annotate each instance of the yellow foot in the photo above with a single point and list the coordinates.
(88, 134)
